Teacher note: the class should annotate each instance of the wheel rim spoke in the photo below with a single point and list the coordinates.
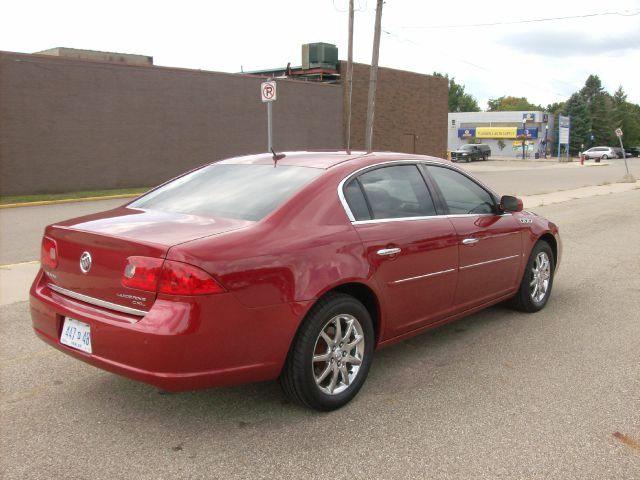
(324, 357)
(334, 380)
(324, 374)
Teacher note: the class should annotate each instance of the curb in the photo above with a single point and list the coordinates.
(70, 200)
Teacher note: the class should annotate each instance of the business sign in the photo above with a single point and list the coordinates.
(496, 132)
(518, 143)
(529, 117)
(531, 132)
(466, 132)
(565, 127)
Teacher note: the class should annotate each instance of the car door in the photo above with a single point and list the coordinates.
(489, 242)
(412, 251)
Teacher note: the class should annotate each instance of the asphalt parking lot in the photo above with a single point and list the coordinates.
(496, 395)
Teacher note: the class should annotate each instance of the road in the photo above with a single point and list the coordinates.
(22, 229)
(554, 395)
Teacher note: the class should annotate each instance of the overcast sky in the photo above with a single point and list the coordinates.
(544, 61)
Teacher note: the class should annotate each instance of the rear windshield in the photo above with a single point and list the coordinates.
(244, 192)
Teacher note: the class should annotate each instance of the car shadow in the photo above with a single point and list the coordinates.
(252, 405)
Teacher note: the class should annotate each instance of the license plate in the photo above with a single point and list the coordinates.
(76, 334)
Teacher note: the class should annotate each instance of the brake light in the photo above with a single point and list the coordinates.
(183, 279)
(142, 273)
(49, 254)
(173, 278)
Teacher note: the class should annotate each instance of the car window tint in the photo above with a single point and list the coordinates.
(397, 192)
(355, 198)
(461, 194)
(244, 192)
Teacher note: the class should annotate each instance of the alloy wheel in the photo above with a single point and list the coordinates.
(338, 354)
(540, 278)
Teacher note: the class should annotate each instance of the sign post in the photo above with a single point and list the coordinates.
(619, 135)
(268, 96)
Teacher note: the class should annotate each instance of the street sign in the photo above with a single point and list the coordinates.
(619, 132)
(268, 91)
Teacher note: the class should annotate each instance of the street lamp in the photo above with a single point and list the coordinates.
(524, 136)
(546, 132)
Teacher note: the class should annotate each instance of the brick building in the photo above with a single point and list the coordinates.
(86, 123)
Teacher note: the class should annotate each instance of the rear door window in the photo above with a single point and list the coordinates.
(396, 192)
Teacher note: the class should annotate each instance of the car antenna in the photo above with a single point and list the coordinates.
(277, 156)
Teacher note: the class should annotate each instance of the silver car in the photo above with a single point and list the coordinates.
(599, 153)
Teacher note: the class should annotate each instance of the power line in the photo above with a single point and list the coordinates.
(467, 62)
(516, 22)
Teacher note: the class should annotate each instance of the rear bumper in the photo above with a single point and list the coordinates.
(182, 343)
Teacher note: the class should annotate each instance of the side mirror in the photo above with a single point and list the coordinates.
(510, 204)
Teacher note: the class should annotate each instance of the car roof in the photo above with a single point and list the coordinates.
(324, 159)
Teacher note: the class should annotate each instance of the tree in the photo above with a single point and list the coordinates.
(577, 109)
(459, 101)
(511, 104)
(627, 117)
(600, 110)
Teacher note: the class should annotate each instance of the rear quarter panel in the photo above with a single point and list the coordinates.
(303, 249)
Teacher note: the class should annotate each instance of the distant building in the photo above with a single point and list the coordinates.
(92, 55)
(503, 129)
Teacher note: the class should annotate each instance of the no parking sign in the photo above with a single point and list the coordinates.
(268, 91)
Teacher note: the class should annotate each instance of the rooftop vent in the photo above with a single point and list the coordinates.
(319, 55)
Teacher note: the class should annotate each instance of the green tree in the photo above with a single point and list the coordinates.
(555, 108)
(577, 109)
(627, 117)
(600, 110)
(511, 104)
(459, 100)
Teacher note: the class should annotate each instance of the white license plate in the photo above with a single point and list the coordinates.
(76, 334)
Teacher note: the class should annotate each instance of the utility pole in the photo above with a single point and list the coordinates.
(373, 79)
(349, 77)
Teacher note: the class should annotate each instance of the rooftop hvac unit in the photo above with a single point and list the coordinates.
(319, 55)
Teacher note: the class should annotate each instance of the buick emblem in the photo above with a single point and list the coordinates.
(85, 262)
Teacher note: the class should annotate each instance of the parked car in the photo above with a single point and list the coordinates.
(599, 153)
(619, 153)
(633, 151)
(469, 152)
(295, 267)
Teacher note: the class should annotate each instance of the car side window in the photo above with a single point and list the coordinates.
(397, 192)
(461, 194)
(355, 198)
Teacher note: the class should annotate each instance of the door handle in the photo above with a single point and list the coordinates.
(470, 241)
(388, 251)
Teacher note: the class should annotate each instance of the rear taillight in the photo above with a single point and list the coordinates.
(173, 278)
(142, 273)
(49, 254)
(184, 279)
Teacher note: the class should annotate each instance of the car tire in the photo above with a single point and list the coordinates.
(604, 157)
(321, 371)
(537, 281)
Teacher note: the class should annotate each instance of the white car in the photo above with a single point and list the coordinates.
(599, 153)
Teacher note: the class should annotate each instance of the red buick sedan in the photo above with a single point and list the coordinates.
(296, 267)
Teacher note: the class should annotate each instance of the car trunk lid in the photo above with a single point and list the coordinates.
(109, 239)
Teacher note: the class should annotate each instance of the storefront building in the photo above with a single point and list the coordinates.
(504, 132)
